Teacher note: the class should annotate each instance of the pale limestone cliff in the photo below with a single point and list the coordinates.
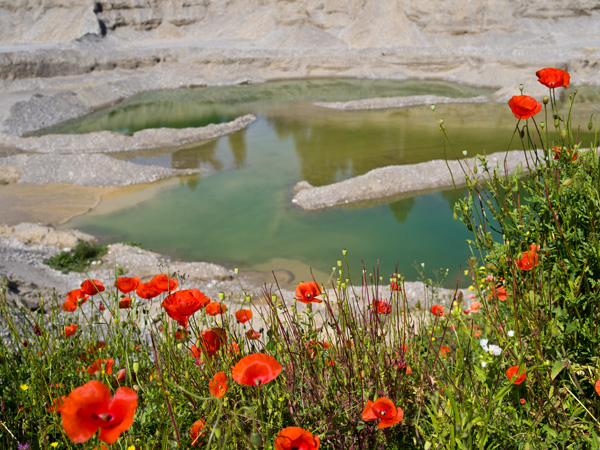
(355, 23)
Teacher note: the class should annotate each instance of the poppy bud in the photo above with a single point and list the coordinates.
(218, 432)
(542, 124)
(344, 252)
(564, 133)
(256, 439)
(136, 367)
(221, 296)
(590, 125)
(136, 388)
(521, 87)
(545, 100)
(522, 133)
(441, 121)
(556, 122)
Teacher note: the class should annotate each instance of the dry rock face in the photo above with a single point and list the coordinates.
(355, 23)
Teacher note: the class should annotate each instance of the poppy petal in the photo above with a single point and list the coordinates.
(80, 406)
(122, 409)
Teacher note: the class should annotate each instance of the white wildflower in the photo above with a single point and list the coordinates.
(495, 350)
(510, 333)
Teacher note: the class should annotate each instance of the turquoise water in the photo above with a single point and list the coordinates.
(243, 216)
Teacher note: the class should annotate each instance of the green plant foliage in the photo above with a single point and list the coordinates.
(78, 258)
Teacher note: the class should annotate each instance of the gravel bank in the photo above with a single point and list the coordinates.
(398, 102)
(386, 182)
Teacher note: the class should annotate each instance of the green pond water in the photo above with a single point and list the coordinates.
(242, 215)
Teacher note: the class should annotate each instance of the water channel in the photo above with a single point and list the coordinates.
(242, 215)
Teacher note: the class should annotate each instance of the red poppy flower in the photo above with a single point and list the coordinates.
(558, 152)
(524, 106)
(203, 299)
(394, 285)
(444, 350)
(93, 348)
(92, 287)
(512, 372)
(243, 315)
(597, 387)
(195, 432)
(252, 334)
(124, 302)
(233, 348)
(256, 369)
(553, 78)
(163, 283)
(181, 335)
(74, 298)
(499, 293)
(307, 291)
(180, 306)
(147, 291)
(122, 375)
(296, 438)
(70, 329)
(196, 352)
(528, 261)
(127, 285)
(215, 308)
(90, 407)
(474, 307)
(437, 310)
(56, 405)
(384, 409)
(212, 340)
(382, 307)
(218, 385)
(97, 365)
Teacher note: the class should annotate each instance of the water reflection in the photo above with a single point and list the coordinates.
(201, 156)
(401, 209)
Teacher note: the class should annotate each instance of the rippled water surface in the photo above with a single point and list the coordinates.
(243, 216)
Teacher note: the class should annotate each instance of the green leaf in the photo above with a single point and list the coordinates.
(556, 368)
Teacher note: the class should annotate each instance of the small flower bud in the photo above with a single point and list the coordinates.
(545, 100)
(344, 252)
(136, 367)
(256, 439)
(521, 87)
(441, 121)
(433, 107)
(221, 296)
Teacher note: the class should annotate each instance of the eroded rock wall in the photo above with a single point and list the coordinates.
(355, 23)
